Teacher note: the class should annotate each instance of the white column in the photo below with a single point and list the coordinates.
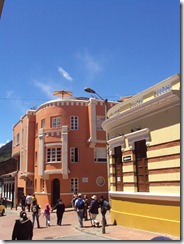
(27, 139)
(93, 120)
(41, 153)
(65, 151)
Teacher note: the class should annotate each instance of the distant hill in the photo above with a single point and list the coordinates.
(6, 152)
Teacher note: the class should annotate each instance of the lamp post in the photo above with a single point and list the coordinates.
(89, 90)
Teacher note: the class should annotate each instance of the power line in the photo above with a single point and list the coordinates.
(14, 98)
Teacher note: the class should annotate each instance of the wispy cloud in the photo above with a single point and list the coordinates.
(64, 74)
(9, 93)
(20, 104)
(92, 66)
(45, 88)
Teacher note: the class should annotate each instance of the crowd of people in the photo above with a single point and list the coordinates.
(86, 210)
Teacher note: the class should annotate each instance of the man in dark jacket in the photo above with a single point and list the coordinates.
(60, 209)
(93, 209)
(23, 228)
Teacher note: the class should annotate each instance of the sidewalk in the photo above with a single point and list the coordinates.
(70, 228)
(117, 232)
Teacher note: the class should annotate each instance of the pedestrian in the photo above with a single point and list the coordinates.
(29, 202)
(46, 214)
(23, 202)
(86, 205)
(60, 209)
(34, 198)
(5, 202)
(93, 209)
(74, 198)
(23, 228)
(79, 207)
(105, 206)
(35, 213)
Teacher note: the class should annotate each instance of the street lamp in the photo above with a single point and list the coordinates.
(89, 90)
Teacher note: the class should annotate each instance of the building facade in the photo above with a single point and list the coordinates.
(61, 148)
(144, 159)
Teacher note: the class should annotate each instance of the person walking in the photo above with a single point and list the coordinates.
(93, 209)
(79, 207)
(5, 202)
(74, 198)
(34, 198)
(35, 213)
(46, 214)
(86, 205)
(60, 209)
(105, 206)
(23, 202)
(29, 202)
(23, 228)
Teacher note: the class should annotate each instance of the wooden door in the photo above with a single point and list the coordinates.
(141, 166)
(118, 169)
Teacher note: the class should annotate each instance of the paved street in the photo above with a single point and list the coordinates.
(70, 229)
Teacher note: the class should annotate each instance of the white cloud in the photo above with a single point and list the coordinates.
(64, 74)
(47, 89)
(19, 103)
(2, 144)
(90, 64)
(9, 93)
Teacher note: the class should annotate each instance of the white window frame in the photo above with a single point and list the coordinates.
(56, 122)
(18, 139)
(43, 123)
(73, 157)
(74, 122)
(100, 154)
(55, 155)
(74, 185)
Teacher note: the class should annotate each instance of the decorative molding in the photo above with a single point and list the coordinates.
(145, 196)
(138, 135)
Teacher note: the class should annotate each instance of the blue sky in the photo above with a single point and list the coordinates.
(117, 48)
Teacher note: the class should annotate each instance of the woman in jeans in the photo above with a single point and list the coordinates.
(35, 210)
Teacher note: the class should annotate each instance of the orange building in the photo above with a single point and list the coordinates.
(61, 148)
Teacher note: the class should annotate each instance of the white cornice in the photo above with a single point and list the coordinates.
(145, 195)
(164, 102)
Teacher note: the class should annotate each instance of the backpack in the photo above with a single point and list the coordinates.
(106, 205)
(80, 203)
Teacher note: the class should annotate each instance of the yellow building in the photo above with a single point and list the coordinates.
(144, 159)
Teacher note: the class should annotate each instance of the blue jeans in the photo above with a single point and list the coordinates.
(80, 217)
(35, 215)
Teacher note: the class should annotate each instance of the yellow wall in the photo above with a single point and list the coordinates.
(155, 216)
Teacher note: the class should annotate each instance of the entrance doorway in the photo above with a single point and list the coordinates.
(141, 166)
(55, 191)
(118, 168)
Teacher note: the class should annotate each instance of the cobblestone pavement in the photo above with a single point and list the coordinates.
(70, 230)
